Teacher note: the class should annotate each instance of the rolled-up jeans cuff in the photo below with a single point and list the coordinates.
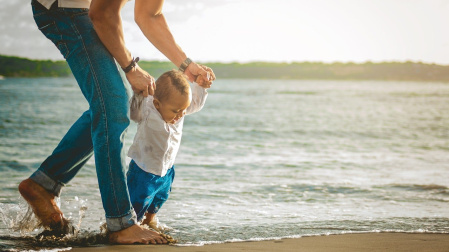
(120, 223)
(46, 182)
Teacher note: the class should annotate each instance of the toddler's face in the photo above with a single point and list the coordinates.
(173, 108)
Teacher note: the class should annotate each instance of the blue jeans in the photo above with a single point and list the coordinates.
(148, 192)
(99, 130)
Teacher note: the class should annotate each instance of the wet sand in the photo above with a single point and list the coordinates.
(332, 243)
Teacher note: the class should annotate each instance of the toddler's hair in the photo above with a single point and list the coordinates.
(170, 81)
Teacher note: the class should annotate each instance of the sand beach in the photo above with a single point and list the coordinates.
(398, 242)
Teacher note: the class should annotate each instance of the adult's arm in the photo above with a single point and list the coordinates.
(105, 16)
(150, 19)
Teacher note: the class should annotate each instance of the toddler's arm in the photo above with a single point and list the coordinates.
(199, 95)
(136, 107)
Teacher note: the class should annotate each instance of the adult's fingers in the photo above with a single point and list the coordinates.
(209, 71)
(145, 92)
(206, 77)
(212, 74)
(152, 86)
(203, 73)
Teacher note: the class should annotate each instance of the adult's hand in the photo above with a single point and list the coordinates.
(141, 81)
(194, 71)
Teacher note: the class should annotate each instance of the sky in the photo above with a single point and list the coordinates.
(267, 30)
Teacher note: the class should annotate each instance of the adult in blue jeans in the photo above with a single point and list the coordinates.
(89, 35)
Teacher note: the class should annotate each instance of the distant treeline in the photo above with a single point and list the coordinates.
(413, 71)
(21, 67)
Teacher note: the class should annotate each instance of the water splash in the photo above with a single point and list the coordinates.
(16, 218)
(26, 232)
(82, 214)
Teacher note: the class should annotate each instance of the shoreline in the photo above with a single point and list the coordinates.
(304, 70)
(384, 241)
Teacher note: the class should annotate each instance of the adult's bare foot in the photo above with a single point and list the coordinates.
(43, 204)
(136, 234)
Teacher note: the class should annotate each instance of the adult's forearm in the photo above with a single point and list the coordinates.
(155, 28)
(105, 16)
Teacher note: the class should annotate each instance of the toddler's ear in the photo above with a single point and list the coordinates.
(156, 103)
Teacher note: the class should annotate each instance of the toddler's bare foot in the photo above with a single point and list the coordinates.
(136, 234)
(43, 204)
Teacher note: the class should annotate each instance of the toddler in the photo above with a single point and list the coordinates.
(160, 120)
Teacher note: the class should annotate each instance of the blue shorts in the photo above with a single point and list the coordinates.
(148, 192)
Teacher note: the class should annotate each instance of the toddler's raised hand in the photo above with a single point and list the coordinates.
(203, 81)
(195, 70)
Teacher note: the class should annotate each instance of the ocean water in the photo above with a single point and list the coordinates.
(264, 159)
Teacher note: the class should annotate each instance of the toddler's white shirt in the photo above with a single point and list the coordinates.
(156, 142)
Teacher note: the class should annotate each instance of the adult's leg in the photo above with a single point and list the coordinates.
(69, 156)
(102, 127)
(98, 77)
(101, 83)
(40, 189)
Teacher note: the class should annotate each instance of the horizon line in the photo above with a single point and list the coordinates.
(265, 61)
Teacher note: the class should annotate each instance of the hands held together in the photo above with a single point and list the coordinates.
(201, 74)
(143, 82)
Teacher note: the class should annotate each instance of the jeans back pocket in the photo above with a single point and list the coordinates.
(47, 25)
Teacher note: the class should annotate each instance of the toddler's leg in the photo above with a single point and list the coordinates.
(149, 218)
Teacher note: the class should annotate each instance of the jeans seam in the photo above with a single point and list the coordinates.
(121, 216)
(55, 186)
(86, 152)
(105, 119)
(60, 41)
(79, 14)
